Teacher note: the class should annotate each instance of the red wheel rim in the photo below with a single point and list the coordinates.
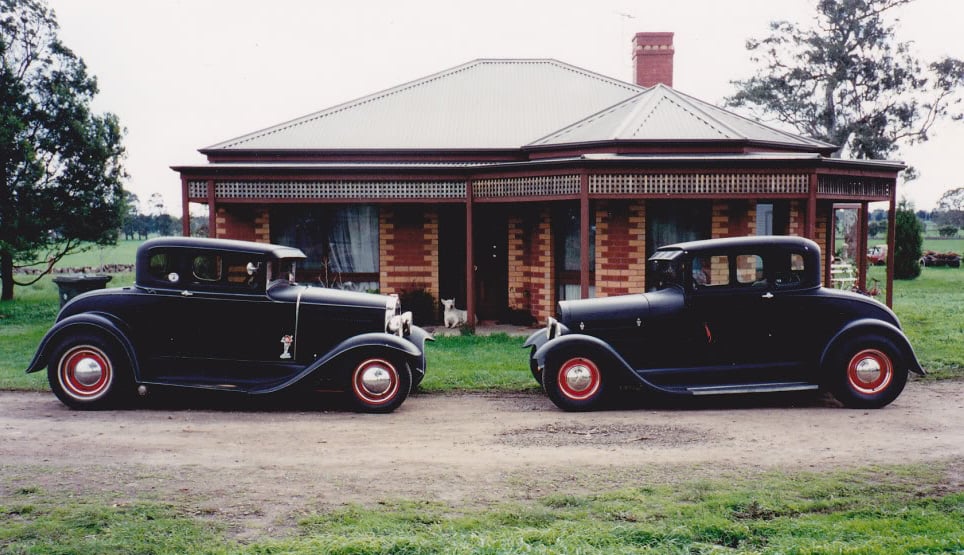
(375, 382)
(579, 379)
(85, 372)
(870, 371)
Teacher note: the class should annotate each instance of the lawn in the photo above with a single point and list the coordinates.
(891, 511)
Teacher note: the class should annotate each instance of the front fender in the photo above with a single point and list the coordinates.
(377, 340)
(536, 340)
(585, 345)
(886, 329)
(101, 323)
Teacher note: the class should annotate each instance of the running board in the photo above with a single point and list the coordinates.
(752, 388)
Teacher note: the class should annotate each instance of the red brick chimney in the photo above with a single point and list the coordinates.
(653, 59)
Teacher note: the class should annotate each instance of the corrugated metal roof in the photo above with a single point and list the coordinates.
(664, 114)
(484, 104)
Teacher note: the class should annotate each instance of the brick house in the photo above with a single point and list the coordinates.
(511, 184)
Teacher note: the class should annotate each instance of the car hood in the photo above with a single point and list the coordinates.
(326, 296)
(620, 311)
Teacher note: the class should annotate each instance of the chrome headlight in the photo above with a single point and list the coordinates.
(393, 309)
(400, 324)
(553, 328)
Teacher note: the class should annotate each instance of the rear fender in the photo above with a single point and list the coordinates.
(869, 325)
(589, 346)
(86, 321)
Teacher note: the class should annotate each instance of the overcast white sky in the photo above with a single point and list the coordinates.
(186, 74)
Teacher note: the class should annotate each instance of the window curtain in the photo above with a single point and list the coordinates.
(353, 239)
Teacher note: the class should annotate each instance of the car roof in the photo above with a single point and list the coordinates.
(248, 247)
(757, 241)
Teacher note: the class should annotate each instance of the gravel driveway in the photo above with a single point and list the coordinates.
(257, 466)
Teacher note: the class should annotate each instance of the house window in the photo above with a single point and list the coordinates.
(341, 243)
(673, 221)
(772, 218)
(568, 280)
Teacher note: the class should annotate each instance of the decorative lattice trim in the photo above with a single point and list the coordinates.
(851, 186)
(540, 186)
(699, 184)
(197, 189)
(330, 189)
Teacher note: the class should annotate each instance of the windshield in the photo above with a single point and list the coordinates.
(282, 271)
(663, 274)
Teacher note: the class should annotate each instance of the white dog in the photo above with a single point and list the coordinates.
(454, 317)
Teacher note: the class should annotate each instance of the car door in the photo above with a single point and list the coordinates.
(732, 302)
(220, 328)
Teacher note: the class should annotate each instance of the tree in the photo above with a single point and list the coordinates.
(846, 81)
(950, 208)
(60, 164)
(908, 242)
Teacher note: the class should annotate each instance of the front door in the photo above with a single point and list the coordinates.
(491, 263)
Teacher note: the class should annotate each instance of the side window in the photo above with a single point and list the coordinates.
(206, 268)
(245, 272)
(749, 270)
(162, 266)
(793, 274)
(711, 271)
(159, 265)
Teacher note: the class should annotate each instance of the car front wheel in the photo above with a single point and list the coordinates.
(87, 372)
(379, 384)
(574, 385)
(866, 372)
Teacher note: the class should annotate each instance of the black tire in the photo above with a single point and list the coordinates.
(378, 383)
(574, 383)
(866, 372)
(89, 372)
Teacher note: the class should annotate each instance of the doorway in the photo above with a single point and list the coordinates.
(491, 262)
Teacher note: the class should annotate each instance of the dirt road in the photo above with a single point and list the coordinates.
(256, 467)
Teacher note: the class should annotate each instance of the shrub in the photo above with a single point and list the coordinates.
(908, 243)
(422, 304)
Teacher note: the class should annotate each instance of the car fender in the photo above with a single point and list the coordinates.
(536, 340)
(584, 344)
(379, 340)
(880, 327)
(101, 323)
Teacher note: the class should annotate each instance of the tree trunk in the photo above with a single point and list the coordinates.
(6, 276)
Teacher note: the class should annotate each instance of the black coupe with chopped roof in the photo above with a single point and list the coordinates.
(726, 316)
(229, 315)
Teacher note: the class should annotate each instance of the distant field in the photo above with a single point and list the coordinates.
(122, 253)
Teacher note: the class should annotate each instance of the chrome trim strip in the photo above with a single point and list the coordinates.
(294, 351)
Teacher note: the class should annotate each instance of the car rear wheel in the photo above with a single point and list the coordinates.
(866, 372)
(574, 385)
(87, 372)
(379, 384)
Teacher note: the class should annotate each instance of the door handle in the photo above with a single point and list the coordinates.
(767, 295)
(186, 293)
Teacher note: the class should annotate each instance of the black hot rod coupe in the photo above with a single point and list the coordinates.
(229, 315)
(725, 316)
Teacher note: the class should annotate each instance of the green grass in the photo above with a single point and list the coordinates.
(477, 362)
(889, 511)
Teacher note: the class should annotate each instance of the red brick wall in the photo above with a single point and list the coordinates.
(796, 224)
(408, 249)
(235, 222)
(733, 218)
(531, 263)
(620, 248)
(653, 59)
